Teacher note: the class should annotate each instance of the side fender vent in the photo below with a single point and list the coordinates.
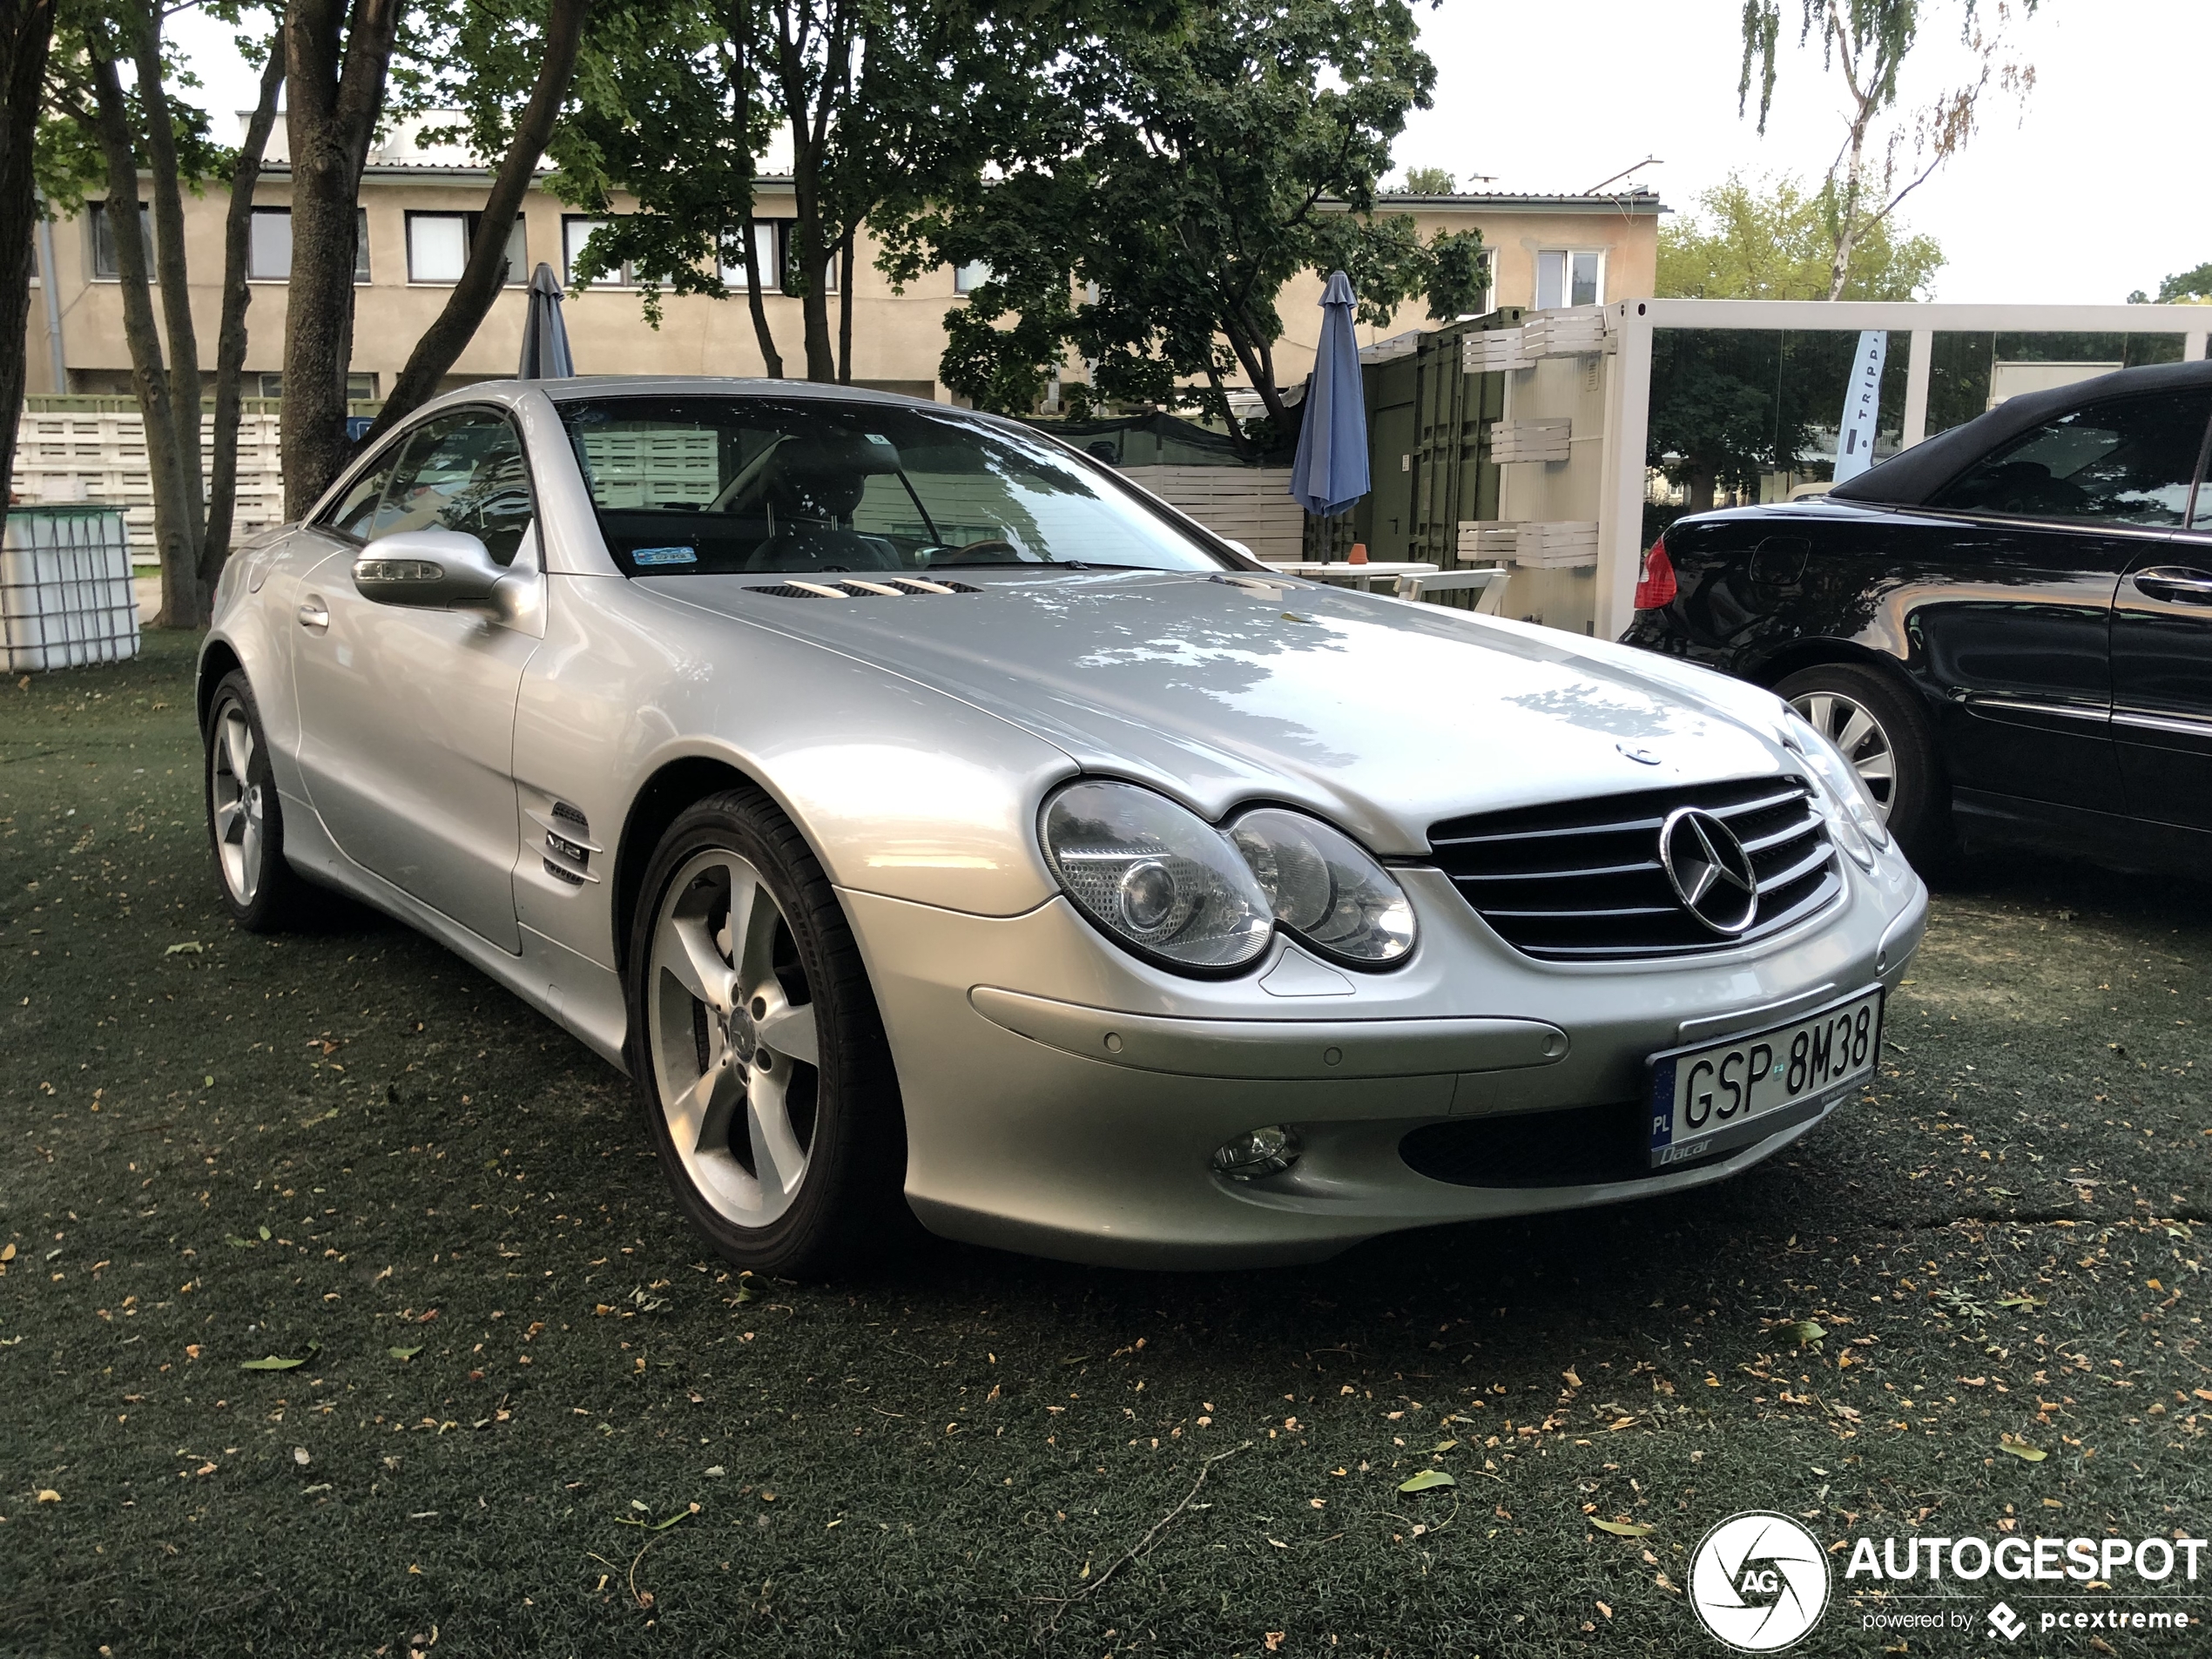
(568, 847)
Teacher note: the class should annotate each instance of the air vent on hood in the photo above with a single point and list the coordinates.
(897, 587)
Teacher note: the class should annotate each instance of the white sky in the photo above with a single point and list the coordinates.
(2095, 188)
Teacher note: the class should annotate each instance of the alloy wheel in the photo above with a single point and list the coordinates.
(733, 1042)
(240, 811)
(1853, 728)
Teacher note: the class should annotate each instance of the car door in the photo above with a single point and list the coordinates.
(408, 715)
(2052, 521)
(2161, 670)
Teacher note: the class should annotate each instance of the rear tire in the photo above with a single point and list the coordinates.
(244, 819)
(756, 1049)
(1888, 739)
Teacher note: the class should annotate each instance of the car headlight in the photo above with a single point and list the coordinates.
(1324, 887)
(1855, 819)
(1166, 883)
(1155, 876)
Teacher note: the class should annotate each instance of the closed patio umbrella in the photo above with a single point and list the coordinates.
(1331, 471)
(545, 337)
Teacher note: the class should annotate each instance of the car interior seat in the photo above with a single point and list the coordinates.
(811, 485)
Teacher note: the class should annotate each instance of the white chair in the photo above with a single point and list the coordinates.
(1488, 583)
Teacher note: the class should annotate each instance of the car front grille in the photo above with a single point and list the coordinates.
(1581, 880)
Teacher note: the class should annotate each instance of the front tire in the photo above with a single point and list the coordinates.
(756, 1049)
(244, 819)
(1889, 743)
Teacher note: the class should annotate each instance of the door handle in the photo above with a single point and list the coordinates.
(2176, 585)
(314, 615)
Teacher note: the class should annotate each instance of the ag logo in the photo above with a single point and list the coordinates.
(1758, 1582)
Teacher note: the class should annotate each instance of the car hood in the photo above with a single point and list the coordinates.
(1384, 716)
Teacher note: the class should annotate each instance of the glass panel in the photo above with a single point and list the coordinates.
(689, 485)
(575, 232)
(2126, 461)
(1749, 414)
(269, 245)
(437, 246)
(969, 277)
(1551, 280)
(764, 255)
(1969, 373)
(356, 511)
(104, 263)
(518, 253)
(360, 246)
(1585, 290)
(462, 472)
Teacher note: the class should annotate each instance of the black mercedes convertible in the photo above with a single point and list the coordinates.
(2007, 628)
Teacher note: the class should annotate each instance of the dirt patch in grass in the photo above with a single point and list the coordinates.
(505, 1372)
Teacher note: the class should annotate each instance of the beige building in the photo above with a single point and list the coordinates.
(417, 207)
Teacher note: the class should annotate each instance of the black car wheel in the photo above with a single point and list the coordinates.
(756, 1048)
(1889, 743)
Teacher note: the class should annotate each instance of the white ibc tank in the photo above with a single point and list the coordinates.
(65, 593)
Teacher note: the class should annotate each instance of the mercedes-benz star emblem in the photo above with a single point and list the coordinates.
(1711, 872)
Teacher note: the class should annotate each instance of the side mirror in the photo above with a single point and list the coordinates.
(429, 570)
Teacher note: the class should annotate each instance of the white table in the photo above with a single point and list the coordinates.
(1359, 576)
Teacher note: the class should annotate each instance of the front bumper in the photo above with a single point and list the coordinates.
(1064, 1099)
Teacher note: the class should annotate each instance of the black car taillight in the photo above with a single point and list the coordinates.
(1655, 578)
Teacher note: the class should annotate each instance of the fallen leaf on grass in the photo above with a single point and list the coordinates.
(185, 947)
(7, 1252)
(236, 1243)
(2022, 1450)
(1804, 1331)
(1443, 1446)
(404, 1353)
(276, 1362)
(1622, 1529)
(1427, 1480)
(47, 1494)
(2022, 1301)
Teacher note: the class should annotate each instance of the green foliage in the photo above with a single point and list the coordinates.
(1459, 275)
(1176, 176)
(2192, 287)
(1429, 181)
(1769, 238)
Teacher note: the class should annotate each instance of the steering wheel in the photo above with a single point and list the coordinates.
(963, 554)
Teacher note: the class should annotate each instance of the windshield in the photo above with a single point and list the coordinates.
(693, 484)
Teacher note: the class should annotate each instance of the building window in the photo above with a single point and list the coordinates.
(268, 248)
(357, 386)
(438, 244)
(576, 230)
(766, 249)
(969, 277)
(1569, 277)
(103, 265)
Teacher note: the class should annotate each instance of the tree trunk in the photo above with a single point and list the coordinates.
(175, 286)
(26, 30)
(1697, 489)
(486, 272)
(335, 69)
(740, 26)
(175, 534)
(230, 340)
(770, 359)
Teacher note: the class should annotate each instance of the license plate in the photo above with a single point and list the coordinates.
(1720, 1095)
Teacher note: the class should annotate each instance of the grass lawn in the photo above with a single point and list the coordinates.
(529, 1415)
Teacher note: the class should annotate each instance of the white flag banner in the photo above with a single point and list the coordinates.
(1862, 406)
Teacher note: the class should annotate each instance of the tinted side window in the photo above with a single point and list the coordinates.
(462, 472)
(356, 509)
(2127, 461)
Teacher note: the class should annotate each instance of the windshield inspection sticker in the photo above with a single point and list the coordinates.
(664, 555)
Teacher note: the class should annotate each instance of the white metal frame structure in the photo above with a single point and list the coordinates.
(1629, 325)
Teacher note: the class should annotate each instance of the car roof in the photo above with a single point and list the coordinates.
(1910, 477)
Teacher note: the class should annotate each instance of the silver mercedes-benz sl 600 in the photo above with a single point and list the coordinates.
(933, 825)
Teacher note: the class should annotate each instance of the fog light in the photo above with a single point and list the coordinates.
(1258, 1152)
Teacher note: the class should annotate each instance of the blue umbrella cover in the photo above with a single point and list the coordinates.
(1331, 470)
